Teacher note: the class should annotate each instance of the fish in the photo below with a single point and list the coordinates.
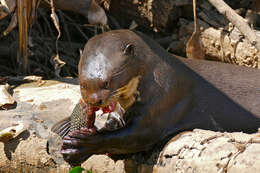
(79, 119)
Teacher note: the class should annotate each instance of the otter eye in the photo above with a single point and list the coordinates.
(128, 49)
(83, 87)
(105, 85)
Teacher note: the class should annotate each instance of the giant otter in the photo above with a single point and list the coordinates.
(175, 94)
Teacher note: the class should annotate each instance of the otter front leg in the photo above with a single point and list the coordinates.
(81, 144)
(76, 147)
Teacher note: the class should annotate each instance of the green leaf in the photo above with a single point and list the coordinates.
(77, 169)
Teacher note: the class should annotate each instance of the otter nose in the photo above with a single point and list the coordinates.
(94, 99)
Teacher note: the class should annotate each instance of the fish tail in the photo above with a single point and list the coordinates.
(75, 121)
(62, 128)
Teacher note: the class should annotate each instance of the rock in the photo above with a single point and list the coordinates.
(38, 108)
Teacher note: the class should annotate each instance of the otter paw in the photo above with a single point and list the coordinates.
(80, 145)
(75, 156)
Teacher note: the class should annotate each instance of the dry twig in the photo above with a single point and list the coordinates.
(238, 21)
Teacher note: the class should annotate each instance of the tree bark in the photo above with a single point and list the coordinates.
(230, 47)
(238, 21)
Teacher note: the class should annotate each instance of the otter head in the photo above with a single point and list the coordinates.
(108, 71)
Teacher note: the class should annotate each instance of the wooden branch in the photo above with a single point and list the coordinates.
(237, 20)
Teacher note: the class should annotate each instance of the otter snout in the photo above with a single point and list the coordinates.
(96, 98)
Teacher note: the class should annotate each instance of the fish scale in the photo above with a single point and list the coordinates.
(78, 118)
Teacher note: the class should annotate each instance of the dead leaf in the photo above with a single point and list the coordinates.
(33, 78)
(6, 7)
(6, 100)
(11, 132)
(58, 64)
(4, 4)
(11, 26)
(96, 14)
(194, 47)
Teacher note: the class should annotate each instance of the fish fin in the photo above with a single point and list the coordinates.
(62, 128)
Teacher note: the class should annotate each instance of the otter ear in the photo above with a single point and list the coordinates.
(80, 52)
(129, 49)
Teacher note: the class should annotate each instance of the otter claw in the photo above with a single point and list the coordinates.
(82, 133)
(67, 137)
(67, 152)
(74, 156)
(89, 131)
(78, 145)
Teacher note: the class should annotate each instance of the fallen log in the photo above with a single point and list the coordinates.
(226, 45)
(230, 47)
(238, 21)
